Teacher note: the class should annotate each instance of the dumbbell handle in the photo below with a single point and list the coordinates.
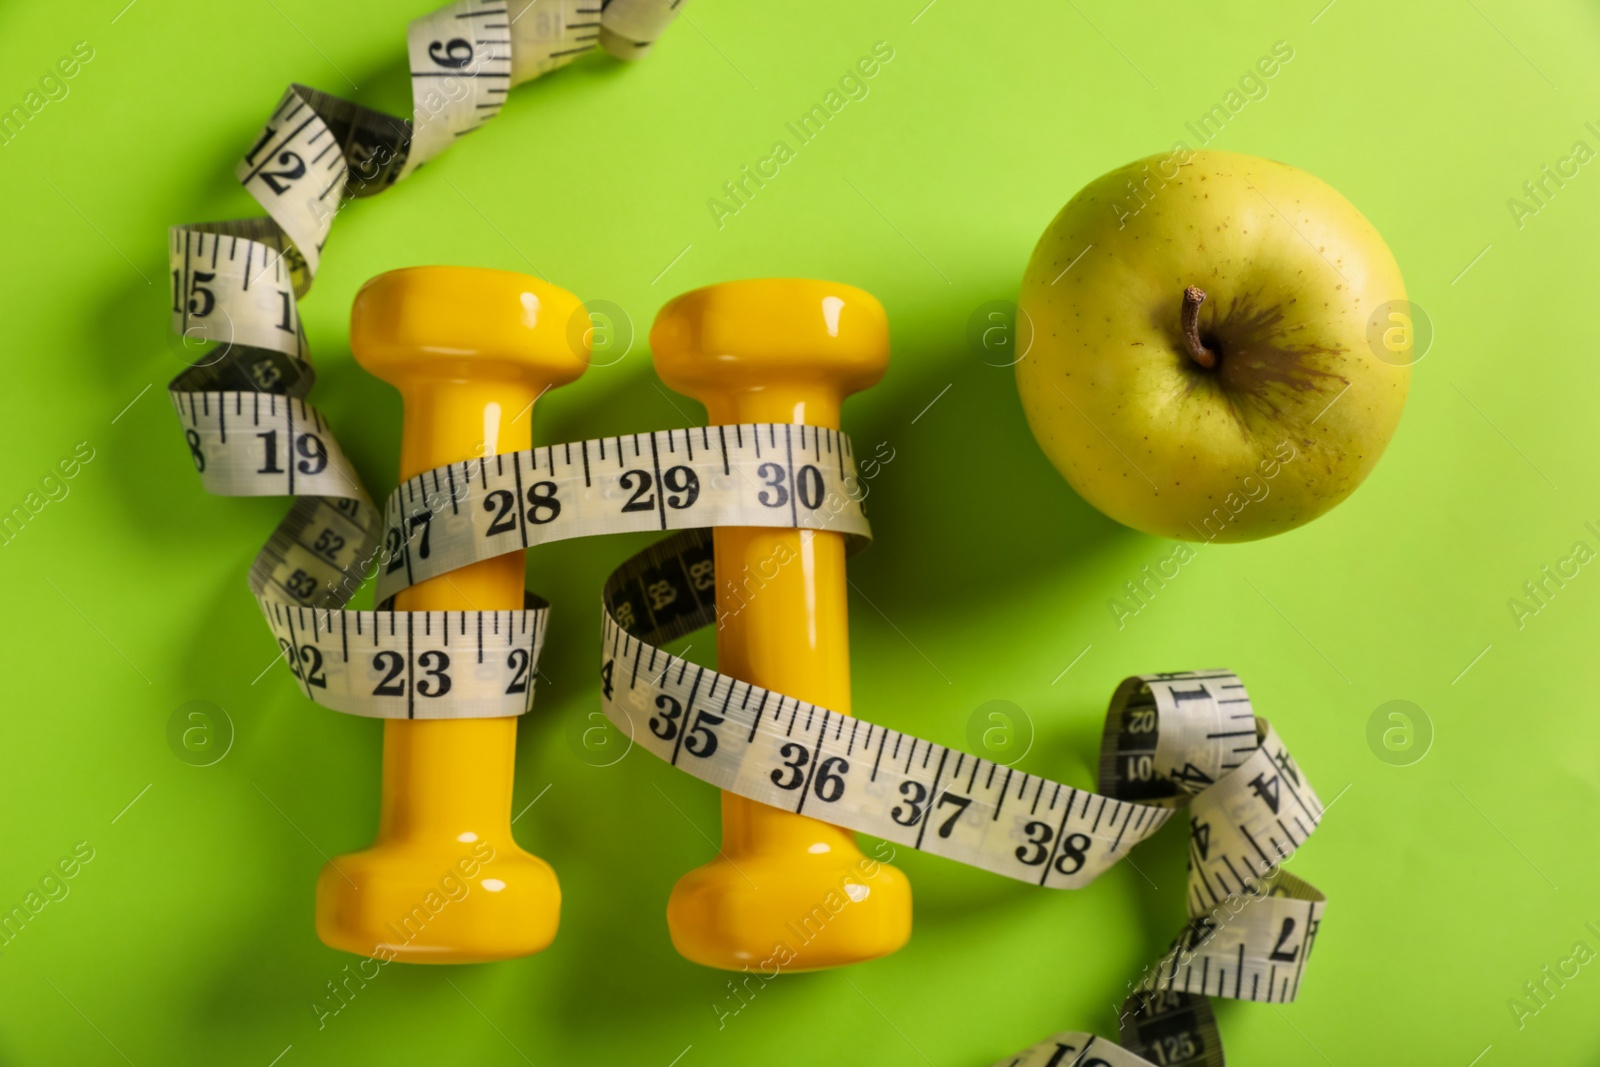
(790, 635)
(444, 774)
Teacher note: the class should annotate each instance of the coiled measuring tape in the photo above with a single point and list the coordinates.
(236, 285)
(457, 664)
(1171, 740)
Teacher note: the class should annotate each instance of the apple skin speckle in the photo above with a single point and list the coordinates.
(1298, 409)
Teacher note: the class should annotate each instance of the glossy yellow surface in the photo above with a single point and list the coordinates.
(470, 350)
(786, 891)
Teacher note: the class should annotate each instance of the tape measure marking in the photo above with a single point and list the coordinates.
(402, 664)
(468, 41)
(1054, 835)
(632, 26)
(557, 32)
(459, 514)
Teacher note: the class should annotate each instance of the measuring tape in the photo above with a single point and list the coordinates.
(235, 292)
(1171, 740)
(441, 665)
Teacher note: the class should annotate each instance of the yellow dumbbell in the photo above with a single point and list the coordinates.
(781, 350)
(470, 350)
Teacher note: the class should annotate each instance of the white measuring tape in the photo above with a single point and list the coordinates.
(246, 423)
(437, 665)
(1170, 740)
(235, 286)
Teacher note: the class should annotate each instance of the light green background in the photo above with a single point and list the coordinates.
(188, 938)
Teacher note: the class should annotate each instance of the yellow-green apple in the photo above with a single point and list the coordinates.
(1213, 356)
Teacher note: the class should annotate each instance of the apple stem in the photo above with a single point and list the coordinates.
(1193, 297)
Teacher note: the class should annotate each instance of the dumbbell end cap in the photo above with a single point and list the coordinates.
(762, 331)
(423, 323)
(797, 893)
(401, 902)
